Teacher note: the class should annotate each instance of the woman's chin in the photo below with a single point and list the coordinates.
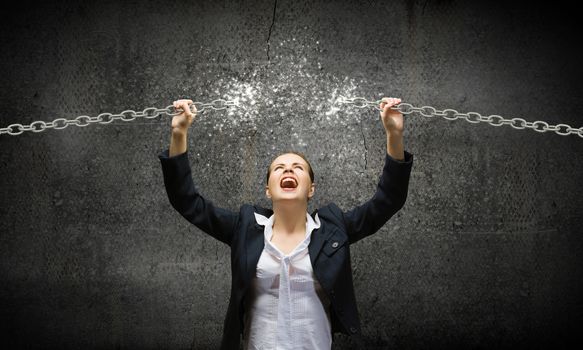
(289, 197)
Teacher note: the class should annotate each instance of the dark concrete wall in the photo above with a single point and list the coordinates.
(485, 254)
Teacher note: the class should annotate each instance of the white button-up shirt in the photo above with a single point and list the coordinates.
(288, 308)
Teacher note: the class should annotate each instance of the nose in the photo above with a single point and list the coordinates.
(288, 169)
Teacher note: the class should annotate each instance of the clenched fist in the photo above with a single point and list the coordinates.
(183, 120)
(392, 119)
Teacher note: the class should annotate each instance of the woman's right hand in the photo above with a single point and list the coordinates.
(182, 121)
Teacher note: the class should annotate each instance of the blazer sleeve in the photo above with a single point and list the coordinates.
(389, 198)
(185, 198)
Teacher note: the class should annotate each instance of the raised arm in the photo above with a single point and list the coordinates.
(392, 188)
(182, 193)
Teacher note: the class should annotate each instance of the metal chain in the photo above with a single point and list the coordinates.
(471, 117)
(359, 102)
(106, 118)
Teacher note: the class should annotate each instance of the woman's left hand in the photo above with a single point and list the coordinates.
(392, 119)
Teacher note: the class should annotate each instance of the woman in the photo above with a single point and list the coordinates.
(291, 279)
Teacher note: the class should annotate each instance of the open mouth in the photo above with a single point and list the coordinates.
(288, 183)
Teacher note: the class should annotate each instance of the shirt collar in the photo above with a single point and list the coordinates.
(312, 223)
(301, 249)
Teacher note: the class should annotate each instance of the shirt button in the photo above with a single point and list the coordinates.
(352, 330)
(335, 245)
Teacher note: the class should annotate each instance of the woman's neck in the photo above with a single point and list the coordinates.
(289, 219)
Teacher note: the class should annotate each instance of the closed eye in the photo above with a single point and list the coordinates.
(296, 166)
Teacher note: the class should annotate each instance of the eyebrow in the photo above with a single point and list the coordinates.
(296, 163)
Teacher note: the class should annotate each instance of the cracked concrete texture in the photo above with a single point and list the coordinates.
(270, 28)
(486, 252)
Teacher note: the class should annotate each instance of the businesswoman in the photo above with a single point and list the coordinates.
(291, 278)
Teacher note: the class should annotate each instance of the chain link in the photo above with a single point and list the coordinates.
(471, 117)
(107, 118)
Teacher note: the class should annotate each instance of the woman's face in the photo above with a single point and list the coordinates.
(289, 179)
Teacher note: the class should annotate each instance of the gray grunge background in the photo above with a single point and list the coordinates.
(485, 254)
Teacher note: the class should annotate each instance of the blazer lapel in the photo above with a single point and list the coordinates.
(319, 236)
(254, 247)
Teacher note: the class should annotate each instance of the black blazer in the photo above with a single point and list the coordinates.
(329, 246)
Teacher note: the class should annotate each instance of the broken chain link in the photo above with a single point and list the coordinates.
(106, 118)
(471, 117)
